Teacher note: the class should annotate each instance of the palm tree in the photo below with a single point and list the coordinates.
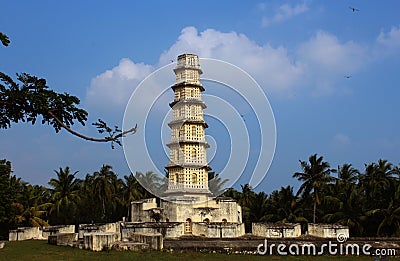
(390, 224)
(150, 181)
(346, 202)
(89, 205)
(283, 207)
(31, 210)
(132, 190)
(347, 173)
(258, 207)
(247, 195)
(65, 192)
(232, 193)
(378, 183)
(216, 184)
(315, 176)
(387, 213)
(245, 200)
(103, 187)
(31, 216)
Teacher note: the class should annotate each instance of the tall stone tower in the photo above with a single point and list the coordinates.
(188, 169)
(188, 206)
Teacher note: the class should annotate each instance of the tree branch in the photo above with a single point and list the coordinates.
(106, 139)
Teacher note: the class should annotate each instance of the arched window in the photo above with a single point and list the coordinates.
(193, 113)
(206, 221)
(224, 220)
(181, 178)
(181, 131)
(194, 131)
(194, 153)
(188, 226)
(194, 178)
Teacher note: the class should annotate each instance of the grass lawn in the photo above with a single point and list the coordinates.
(41, 251)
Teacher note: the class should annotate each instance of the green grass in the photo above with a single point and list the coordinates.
(41, 251)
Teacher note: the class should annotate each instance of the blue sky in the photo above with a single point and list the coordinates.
(298, 51)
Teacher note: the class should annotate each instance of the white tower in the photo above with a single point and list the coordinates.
(188, 169)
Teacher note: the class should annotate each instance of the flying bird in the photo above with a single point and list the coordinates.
(347, 76)
(172, 61)
(353, 9)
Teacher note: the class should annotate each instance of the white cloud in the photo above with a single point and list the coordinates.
(324, 51)
(326, 60)
(262, 6)
(113, 88)
(271, 67)
(391, 40)
(318, 62)
(283, 13)
(341, 138)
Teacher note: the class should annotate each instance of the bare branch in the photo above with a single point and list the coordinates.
(110, 138)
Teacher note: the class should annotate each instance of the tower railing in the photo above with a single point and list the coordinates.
(177, 186)
(188, 138)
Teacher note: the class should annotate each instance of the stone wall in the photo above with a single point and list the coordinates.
(215, 210)
(24, 233)
(167, 229)
(327, 230)
(99, 240)
(154, 241)
(62, 239)
(218, 230)
(52, 230)
(141, 210)
(175, 231)
(271, 230)
(89, 228)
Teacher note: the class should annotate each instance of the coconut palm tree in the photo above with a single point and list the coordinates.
(31, 216)
(150, 181)
(31, 210)
(346, 201)
(283, 207)
(232, 193)
(90, 209)
(387, 213)
(132, 190)
(347, 173)
(65, 192)
(247, 195)
(390, 224)
(315, 175)
(103, 187)
(378, 183)
(216, 184)
(258, 207)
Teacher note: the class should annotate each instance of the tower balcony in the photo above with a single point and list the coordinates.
(188, 100)
(182, 65)
(180, 140)
(188, 165)
(179, 186)
(185, 120)
(197, 163)
(188, 118)
(187, 84)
